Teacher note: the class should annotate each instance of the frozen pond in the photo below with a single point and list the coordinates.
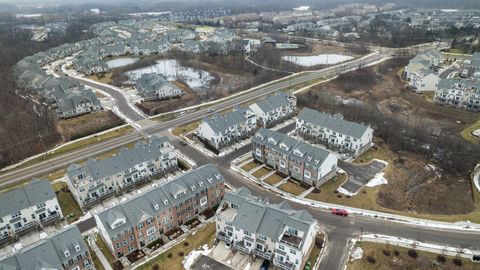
(321, 59)
(120, 62)
(172, 70)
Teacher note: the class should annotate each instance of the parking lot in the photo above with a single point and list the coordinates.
(359, 175)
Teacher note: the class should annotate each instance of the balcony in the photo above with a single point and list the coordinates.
(93, 200)
(52, 218)
(25, 228)
(222, 236)
(241, 247)
(283, 265)
(291, 240)
(264, 254)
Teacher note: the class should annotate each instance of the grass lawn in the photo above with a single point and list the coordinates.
(185, 129)
(249, 166)
(165, 117)
(428, 95)
(292, 188)
(375, 152)
(260, 172)
(69, 206)
(171, 259)
(106, 252)
(95, 259)
(467, 133)
(103, 78)
(312, 258)
(385, 258)
(79, 144)
(273, 179)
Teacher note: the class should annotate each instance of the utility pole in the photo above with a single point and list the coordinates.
(43, 144)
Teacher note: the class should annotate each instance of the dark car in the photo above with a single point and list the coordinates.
(340, 212)
(183, 143)
(476, 258)
(265, 265)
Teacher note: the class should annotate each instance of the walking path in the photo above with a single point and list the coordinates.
(98, 252)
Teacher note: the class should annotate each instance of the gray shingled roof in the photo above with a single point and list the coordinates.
(47, 253)
(142, 206)
(334, 122)
(220, 123)
(260, 217)
(274, 102)
(35, 192)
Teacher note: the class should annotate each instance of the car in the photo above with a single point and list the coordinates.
(228, 245)
(340, 212)
(211, 110)
(265, 265)
(183, 143)
(476, 258)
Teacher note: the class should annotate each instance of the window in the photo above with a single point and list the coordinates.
(41, 205)
(150, 231)
(293, 251)
(281, 247)
(217, 193)
(292, 231)
(262, 237)
(296, 169)
(248, 233)
(307, 174)
(66, 253)
(282, 163)
(16, 214)
(139, 226)
(77, 247)
(258, 152)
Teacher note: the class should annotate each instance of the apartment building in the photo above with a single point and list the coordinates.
(98, 179)
(222, 130)
(135, 223)
(274, 232)
(299, 160)
(63, 250)
(274, 109)
(462, 93)
(27, 208)
(334, 131)
(422, 71)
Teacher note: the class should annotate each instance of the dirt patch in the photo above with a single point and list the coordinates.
(87, 124)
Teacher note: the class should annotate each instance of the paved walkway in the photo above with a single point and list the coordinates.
(98, 252)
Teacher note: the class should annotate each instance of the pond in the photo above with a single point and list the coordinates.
(313, 60)
(120, 62)
(172, 70)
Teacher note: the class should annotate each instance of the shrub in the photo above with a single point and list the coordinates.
(181, 254)
(441, 259)
(185, 244)
(386, 252)
(396, 253)
(371, 259)
(169, 255)
(339, 196)
(412, 253)
(457, 262)
(155, 267)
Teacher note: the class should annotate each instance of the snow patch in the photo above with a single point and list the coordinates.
(194, 255)
(248, 266)
(314, 60)
(345, 192)
(196, 79)
(357, 254)
(377, 180)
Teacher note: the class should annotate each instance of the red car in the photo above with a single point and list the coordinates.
(340, 212)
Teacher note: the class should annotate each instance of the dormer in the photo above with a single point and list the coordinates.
(210, 180)
(272, 141)
(77, 247)
(156, 206)
(192, 187)
(284, 147)
(165, 202)
(298, 153)
(218, 176)
(66, 252)
(117, 223)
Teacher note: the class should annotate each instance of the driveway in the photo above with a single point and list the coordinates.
(359, 175)
(205, 263)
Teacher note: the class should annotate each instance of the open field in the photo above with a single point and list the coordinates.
(389, 257)
(419, 185)
(87, 124)
(70, 208)
(171, 259)
(177, 131)
(292, 188)
(273, 179)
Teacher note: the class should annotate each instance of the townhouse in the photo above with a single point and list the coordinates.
(144, 219)
(274, 232)
(76, 102)
(219, 131)
(63, 250)
(299, 160)
(27, 208)
(422, 71)
(97, 180)
(274, 109)
(459, 93)
(153, 86)
(334, 131)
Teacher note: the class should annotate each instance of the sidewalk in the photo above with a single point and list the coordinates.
(98, 252)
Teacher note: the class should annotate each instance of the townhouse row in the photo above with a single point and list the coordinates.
(97, 180)
(463, 93)
(144, 219)
(334, 131)
(27, 208)
(274, 232)
(154, 86)
(288, 156)
(422, 71)
(219, 131)
(65, 250)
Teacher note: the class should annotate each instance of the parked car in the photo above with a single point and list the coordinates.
(265, 265)
(211, 110)
(340, 212)
(476, 258)
(183, 143)
(228, 245)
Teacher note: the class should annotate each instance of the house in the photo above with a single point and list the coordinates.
(422, 71)
(88, 65)
(274, 109)
(75, 102)
(97, 180)
(65, 249)
(334, 131)
(144, 219)
(222, 130)
(153, 86)
(194, 46)
(250, 45)
(288, 156)
(27, 208)
(274, 232)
